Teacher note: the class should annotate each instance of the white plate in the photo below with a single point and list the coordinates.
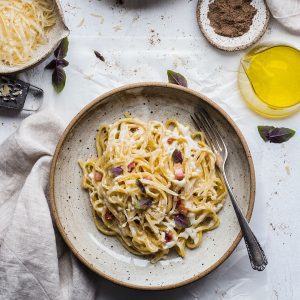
(71, 207)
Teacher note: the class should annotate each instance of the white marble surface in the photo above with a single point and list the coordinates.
(140, 40)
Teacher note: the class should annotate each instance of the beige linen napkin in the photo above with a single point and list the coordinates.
(34, 261)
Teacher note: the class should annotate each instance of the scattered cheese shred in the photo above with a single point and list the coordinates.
(5, 90)
(23, 27)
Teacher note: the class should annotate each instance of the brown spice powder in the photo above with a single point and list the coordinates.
(231, 18)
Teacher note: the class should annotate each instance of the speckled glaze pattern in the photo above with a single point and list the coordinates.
(55, 35)
(70, 203)
(256, 31)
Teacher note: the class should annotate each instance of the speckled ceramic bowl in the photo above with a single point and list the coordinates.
(55, 35)
(256, 31)
(70, 203)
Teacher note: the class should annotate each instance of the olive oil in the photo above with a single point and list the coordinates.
(269, 80)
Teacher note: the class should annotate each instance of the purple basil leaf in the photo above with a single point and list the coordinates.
(62, 49)
(144, 203)
(141, 186)
(62, 62)
(280, 135)
(58, 79)
(56, 63)
(117, 171)
(99, 55)
(275, 134)
(177, 156)
(51, 65)
(182, 221)
(264, 132)
(176, 78)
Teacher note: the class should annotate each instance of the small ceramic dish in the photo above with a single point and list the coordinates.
(256, 31)
(71, 206)
(55, 35)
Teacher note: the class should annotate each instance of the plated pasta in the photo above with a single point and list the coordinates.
(154, 186)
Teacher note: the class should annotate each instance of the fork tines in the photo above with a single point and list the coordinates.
(213, 136)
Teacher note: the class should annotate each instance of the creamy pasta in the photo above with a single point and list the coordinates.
(154, 186)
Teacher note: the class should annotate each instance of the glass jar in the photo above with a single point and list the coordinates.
(250, 92)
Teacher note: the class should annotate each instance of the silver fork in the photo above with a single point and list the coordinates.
(256, 254)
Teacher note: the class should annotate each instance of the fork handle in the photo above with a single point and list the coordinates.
(256, 254)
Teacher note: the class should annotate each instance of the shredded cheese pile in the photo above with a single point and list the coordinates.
(23, 28)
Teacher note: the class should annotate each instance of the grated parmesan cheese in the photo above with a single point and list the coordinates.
(23, 27)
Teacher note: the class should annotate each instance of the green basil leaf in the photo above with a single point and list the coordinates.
(62, 62)
(177, 156)
(116, 171)
(62, 50)
(51, 65)
(176, 78)
(275, 134)
(182, 221)
(141, 186)
(59, 79)
(264, 132)
(280, 135)
(144, 203)
(99, 55)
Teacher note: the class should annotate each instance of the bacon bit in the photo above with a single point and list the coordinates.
(182, 209)
(179, 175)
(109, 216)
(131, 166)
(178, 201)
(98, 176)
(170, 140)
(146, 177)
(180, 206)
(168, 236)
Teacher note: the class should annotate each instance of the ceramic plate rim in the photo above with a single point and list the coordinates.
(82, 113)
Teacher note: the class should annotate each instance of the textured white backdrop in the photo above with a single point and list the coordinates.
(140, 40)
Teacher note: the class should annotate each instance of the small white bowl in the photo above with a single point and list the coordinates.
(55, 35)
(256, 31)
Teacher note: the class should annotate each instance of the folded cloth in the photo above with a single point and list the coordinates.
(34, 261)
(286, 12)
